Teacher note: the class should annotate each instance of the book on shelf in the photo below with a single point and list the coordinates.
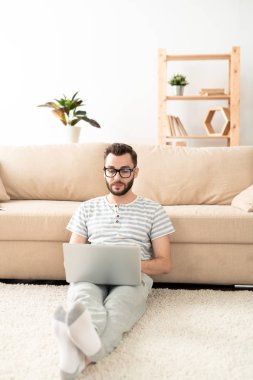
(175, 126)
(212, 91)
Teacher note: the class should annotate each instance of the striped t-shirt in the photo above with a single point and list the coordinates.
(138, 222)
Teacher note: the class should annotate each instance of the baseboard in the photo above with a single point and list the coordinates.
(156, 285)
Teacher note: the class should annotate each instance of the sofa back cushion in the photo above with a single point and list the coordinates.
(56, 172)
(169, 175)
(184, 175)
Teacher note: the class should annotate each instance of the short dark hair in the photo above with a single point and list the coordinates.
(118, 149)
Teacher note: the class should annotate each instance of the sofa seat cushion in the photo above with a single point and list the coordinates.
(210, 224)
(42, 220)
(36, 220)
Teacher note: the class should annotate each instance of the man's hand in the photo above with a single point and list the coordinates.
(161, 261)
(77, 239)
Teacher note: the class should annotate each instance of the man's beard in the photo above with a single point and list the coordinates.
(126, 188)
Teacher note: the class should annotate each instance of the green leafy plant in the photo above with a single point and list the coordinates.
(66, 110)
(178, 80)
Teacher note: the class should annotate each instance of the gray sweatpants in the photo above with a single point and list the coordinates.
(114, 309)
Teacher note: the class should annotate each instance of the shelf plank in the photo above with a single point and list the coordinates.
(197, 137)
(199, 97)
(198, 57)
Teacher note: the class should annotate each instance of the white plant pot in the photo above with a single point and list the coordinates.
(178, 90)
(72, 133)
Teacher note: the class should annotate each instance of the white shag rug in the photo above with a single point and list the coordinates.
(185, 334)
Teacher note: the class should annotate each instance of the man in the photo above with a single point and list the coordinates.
(98, 315)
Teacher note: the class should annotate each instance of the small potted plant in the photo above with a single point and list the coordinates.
(178, 82)
(66, 109)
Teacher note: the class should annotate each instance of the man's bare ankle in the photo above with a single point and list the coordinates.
(86, 361)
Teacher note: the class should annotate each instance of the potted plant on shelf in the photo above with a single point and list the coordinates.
(178, 82)
(67, 111)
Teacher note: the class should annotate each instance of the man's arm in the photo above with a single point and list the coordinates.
(77, 239)
(161, 261)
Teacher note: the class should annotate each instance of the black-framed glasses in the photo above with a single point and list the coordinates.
(123, 172)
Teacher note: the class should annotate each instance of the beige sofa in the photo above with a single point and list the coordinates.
(213, 242)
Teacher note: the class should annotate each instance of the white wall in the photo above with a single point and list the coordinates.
(107, 50)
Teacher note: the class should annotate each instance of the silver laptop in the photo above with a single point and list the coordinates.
(102, 264)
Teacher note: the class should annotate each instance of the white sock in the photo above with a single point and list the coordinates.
(71, 359)
(81, 330)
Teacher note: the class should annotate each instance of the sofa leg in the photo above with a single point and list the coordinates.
(246, 287)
